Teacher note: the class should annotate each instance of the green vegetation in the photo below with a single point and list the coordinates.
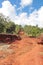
(7, 26)
(17, 28)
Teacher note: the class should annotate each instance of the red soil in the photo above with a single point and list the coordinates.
(26, 51)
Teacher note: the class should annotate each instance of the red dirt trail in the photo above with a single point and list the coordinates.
(23, 52)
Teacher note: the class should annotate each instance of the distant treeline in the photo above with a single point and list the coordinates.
(7, 26)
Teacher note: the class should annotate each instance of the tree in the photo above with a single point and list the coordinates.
(32, 30)
(18, 28)
(35, 31)
(10, 28)
(2, 23)
(2, 27)
(27, 29)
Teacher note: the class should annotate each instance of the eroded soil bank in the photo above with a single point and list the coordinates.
(27, 51)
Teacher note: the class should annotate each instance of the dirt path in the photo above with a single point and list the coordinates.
(24, 52)
(31, 58)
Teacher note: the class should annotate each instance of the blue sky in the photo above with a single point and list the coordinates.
(36, 5)
(23, 11)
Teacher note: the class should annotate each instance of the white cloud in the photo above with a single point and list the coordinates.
(40, 13)
(26, 2)
(36, 17)
(23, 19)
(7, 9)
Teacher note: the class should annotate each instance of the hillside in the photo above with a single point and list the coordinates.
(20, 45)
(26, 51)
